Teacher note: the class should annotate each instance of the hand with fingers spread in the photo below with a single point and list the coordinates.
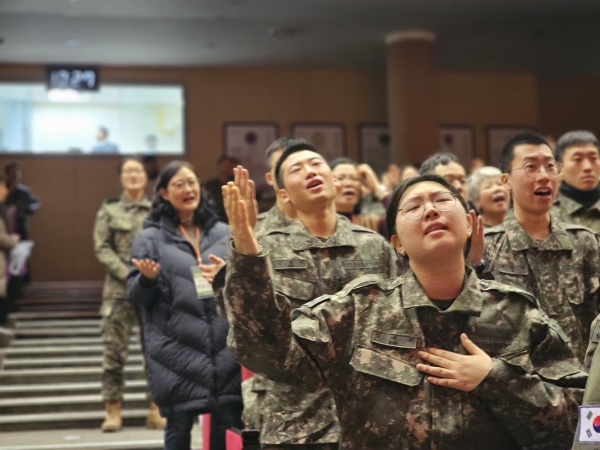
(477, 240)
(461, 372)
(210, 270)
(237, 203)
(147, 267)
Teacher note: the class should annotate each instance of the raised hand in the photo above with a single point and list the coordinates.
(461, 372)
(241, 178)
(210, 270)
(239, 216)
(147, 267)
(477, 240)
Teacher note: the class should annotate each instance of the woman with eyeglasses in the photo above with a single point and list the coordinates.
(436, 358)
(190, 368)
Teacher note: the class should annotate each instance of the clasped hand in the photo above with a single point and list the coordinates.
(461, 372)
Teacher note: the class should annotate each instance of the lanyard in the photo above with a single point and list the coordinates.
(196, 249)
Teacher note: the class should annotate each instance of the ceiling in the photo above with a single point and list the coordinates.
(552, 38)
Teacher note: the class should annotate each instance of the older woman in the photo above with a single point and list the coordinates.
(488, 194)
(433, 359)
(190, 368)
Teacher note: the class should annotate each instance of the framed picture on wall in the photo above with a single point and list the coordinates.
(497, 136)
(327, 138)
(374, 145)
(248, 142)
(458, 139)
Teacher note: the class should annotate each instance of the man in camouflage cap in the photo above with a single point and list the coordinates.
(434, 359)
(317, 254)
(557, 262)
(117, 223)
(578, 200)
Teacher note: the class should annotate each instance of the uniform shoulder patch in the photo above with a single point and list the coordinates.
(112, 200)
(575, 227)
(317, 301)
(491, 285)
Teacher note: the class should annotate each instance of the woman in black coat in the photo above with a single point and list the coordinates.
(190, 369)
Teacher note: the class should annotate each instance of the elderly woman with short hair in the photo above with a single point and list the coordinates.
(487, 192)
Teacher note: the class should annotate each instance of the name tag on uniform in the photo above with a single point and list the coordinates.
(394, 340)
(203, 287)
(284, 264)
(589, 426)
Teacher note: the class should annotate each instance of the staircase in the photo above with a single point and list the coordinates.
(51, 372)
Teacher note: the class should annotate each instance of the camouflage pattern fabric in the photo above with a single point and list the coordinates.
(118, 221)
(116, 329)
(561, 272)
(569, 211)
(271, 220)
(362, 342)
(305, 268)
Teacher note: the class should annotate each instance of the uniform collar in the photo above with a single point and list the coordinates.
(128, 203)
(301, 239)
(469, 301)
(520, 240)
(277, 218)
(570, 206)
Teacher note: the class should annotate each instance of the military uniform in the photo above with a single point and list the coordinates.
(568, 210)
(271, 220)
(306, 267)
(117, 223)
(561, 271)
(363, 341)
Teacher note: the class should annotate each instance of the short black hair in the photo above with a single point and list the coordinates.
(130, 158)
(342, 160)
(231, 159)
(281, 144)
(443, 158)
(12, 165)
(285, 155)
(508, 151)
(572, 139)
(392, 210)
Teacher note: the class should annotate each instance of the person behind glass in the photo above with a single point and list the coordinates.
(118, 221)
(190, 368)
(103, 144)
(7, 242)
(488, 194)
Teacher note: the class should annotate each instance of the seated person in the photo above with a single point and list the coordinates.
(435, 358)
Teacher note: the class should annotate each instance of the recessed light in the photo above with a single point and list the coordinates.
(73, 43)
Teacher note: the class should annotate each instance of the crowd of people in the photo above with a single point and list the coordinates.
(425, 308)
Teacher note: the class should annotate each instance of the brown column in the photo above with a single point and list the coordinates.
(412, 96)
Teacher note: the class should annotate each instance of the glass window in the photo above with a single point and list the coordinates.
(121, 119)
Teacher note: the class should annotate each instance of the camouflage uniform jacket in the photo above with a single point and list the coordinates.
(561, 272)
(592, 388)
(363, 341)
(306, 267)
(118, 221)
(271, 220)
(568, 210)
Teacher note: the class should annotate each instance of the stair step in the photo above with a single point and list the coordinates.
(64, 374)
(43, 298)
(53, 315)
(67, 403)
(97, 340)
(78, 419)
(57, 323)
(70, 350)
(54, 389)
(50, 285)
(75, 361)
(71, 307)
(78, 331)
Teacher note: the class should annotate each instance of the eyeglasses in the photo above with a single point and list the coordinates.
(133, 171)
(532, 170)
(351, 178)
(181, 184)
(414, 209)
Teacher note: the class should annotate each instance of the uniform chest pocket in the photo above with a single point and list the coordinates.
(377, 364)
(294, 288)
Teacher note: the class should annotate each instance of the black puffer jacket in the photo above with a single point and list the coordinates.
(189, 365)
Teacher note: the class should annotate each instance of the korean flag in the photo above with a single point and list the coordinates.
(589, 424)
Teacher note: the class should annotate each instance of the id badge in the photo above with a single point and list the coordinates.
(203, 287)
